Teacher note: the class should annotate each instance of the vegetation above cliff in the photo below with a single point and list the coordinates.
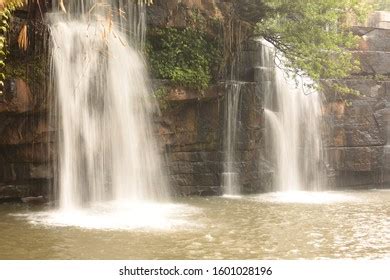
(188, 56)
(314, 35)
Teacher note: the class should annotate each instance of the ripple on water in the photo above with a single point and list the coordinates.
(353, 224)
(304, 197)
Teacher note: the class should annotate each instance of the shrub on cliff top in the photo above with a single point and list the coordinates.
(187, 56)
(314, 35)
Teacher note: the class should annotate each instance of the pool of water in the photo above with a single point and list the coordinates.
(354, 224)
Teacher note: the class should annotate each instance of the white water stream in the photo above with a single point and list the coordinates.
(230, 178)
(293, 113)
(107, 148)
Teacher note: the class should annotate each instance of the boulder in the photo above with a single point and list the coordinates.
(11, 193)
(34, 200)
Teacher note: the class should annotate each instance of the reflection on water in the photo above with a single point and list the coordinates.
(269, 226)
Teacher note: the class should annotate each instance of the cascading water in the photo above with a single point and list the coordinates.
(230, 180)
(230, 177)
(107, 150)
(293, 113)
(386, 173)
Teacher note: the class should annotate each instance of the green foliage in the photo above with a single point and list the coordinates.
(6, 9)
(313, 35)
(188, 57)
(160, 94)
(344, 90)
(31, 68)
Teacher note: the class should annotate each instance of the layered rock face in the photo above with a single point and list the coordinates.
(192, 128)
(193, 134)
(24, 150)
(25, 156)
(357, 132)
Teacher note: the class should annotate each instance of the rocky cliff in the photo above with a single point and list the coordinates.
(192, 121)
(24, 150)
(356, 135)
(192, 125)
(190, 128)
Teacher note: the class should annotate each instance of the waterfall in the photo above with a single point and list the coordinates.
(106, 145)
(386, 169)
(293, 112)
(230, 180)
(129, 16)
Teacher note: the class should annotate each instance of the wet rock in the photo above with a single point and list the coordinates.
(358, 120)
(358, 179)
(40, 171)
(27, 153)
(386, 169)
(15, 193)
(22, 129)
(357, 132)
(11, 172)
(376, 40)
(181, 94)
(34, 200)
(358, 126)
(7, 173)
(17, 97)
(368, 158)
(193, 135)
(374, 63)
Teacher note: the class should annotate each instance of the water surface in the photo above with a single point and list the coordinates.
(270, 226)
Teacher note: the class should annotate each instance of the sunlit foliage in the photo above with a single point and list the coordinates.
(314, 35)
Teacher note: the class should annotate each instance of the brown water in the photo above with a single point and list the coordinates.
(271, 226)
